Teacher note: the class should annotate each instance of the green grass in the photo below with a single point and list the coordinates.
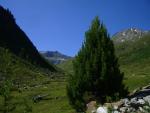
(56, 101)
(137, 74)
(18, 70)
(33, 81)
(134, 59)
(67, 66)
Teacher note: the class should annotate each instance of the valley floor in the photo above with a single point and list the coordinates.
(55, 100)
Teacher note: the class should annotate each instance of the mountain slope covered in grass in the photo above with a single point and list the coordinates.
(18, 70)
(67, 66)
(134, 58)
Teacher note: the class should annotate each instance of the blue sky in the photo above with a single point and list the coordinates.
(61, 24)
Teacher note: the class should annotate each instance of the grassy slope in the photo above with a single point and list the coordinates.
(67, 66)
(18, 70)
(33, 81)
(14, 38)
(134, 59)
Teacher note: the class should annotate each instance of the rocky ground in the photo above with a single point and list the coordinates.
(137, 102)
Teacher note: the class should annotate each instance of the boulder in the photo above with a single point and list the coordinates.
(126, 102)
(102, 110)
(123, 109)
(37, 98)
(91, 107)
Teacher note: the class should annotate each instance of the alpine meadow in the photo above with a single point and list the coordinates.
(74, 56)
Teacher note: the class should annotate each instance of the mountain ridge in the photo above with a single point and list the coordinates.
(55, 57)
(129, 34)
(15, 39)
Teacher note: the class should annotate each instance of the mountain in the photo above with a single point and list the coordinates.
(130, 34)
(55, 57)
(133, 50)
(16, 41)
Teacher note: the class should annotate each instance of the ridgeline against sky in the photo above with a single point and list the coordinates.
(16, 41)
(59, 25)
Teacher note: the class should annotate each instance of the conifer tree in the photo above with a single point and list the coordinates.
(96, 70)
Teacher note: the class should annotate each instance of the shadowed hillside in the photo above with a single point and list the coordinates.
(14, 39)
(28, 83)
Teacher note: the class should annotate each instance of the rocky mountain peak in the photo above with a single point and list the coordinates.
(129, 34)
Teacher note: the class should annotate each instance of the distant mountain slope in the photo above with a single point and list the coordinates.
(67, 66)
(14, 39)
(55, 57)
(136, 45)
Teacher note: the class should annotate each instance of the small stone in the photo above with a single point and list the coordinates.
(134, 100)
(102, 110)
(115, 107)
(141, 101)
(123, 109)
(125, 102)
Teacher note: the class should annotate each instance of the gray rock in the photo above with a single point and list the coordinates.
(126, 102)
(123, 109)
(39, 97)
(136, 103)
(134, 100)
(102, 110)
(115, 107)
(141, 101)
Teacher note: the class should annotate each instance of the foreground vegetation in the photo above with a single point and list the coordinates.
(28, 82)
(55, 102)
